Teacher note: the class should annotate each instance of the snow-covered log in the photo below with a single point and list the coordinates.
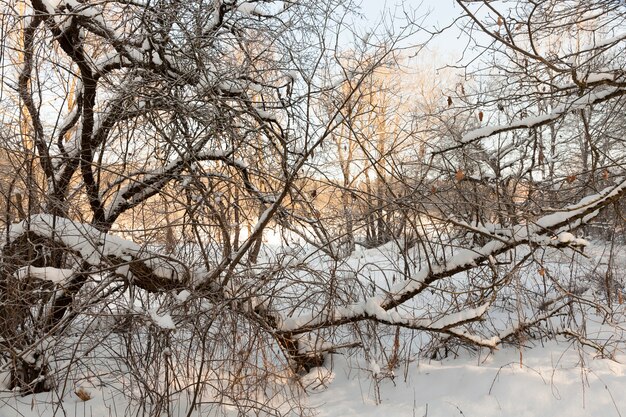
(100, 251)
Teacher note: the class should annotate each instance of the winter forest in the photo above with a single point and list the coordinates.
(269, 208)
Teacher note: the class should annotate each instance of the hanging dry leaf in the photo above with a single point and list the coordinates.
(570, 179)
(542, 272)
(449, 101)
(620, 299)
(480, 116)
(605, 174)
(499, 21)
(462, 89)
(83, 394)
(459, 175)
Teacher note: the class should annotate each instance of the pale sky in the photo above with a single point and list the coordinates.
(440, 13)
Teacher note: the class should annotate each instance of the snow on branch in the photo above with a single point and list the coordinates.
(509, 332)
(151, 183)
(592, 97)
(549, 230)
(100, 250)
(55, 275)
(372, 310)
(586, 100)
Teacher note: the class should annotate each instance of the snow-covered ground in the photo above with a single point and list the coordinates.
(556, 379)
(541, 378)
(553, 380)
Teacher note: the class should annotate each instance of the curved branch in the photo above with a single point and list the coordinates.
(24, 83)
